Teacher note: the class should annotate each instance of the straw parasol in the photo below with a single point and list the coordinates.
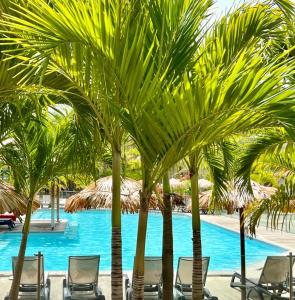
(204, 184)
(204, 201)
(99, 195)
(10, 200)
(241, 200)
(233, 200)
(238, 200)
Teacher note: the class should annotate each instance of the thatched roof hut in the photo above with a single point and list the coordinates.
(204, 184)
(234, 199)
(99, 195)
(10, 200)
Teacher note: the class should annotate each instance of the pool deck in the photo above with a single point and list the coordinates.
(217, 285)
(276, 237)
(37, 226)
(217, 282)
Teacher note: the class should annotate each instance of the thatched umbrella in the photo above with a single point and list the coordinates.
(204, 201)
(99, 195)
(238, 200)
(10, 200)
(204, 184)
(233, 200)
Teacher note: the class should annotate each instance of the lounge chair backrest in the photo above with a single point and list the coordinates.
(30, 270)
(275, 270)
(152, 270)
(83, 269)
(185, 270)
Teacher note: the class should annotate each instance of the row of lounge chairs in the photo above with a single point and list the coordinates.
(183, 281)
(82, 278)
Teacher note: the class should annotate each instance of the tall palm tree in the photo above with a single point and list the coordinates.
(122, 58)
(35, 151)
(123, 69)
(96, 70)
(234, 36)
(208, 106)
(179, 34)
(218, 157)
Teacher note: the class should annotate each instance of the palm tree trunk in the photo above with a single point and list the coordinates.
(138, 270)
(197, 285)
(116, 274)
(167, 249)
(13, 294)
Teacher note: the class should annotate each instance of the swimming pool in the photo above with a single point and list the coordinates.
(89, 232)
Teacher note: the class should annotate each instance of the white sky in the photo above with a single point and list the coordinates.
(221, 6)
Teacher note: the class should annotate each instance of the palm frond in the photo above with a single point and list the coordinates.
(278, 210)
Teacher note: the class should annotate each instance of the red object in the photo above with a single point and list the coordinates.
(8, 216)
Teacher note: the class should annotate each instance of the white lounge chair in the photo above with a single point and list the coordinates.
(29, 279)
(272, 283)
(82, 278)
(152, 279)
(183, 280)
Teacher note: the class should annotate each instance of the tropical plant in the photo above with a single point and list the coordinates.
(272, 149)
(122, 58)
(221, 85)
(89, 62)
(218, 157)
(131, 64)
(231, 89)
(35, 151)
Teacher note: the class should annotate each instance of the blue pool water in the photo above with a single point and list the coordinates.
(89, 232)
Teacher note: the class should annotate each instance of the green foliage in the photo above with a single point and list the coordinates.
(277, 209)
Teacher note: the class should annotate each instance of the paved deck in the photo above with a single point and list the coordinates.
(37, 226)
(219, 286)
(276, 237)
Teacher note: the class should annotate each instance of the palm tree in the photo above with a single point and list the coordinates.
(213, 108)
(178, 36)
(218, 157)
(230, 39)
(104, 77)
(229, 90)
(35, 151)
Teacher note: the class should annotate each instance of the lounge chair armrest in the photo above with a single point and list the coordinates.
(177, 294)
(206, 293)
(238, 284)
(66, 291)
(64, 283)
(211, 298)
(48, 282)
(127, 283)
(233, 282)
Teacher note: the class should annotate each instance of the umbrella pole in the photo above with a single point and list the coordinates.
(242, 245)
(57, 203)
(52, 194)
